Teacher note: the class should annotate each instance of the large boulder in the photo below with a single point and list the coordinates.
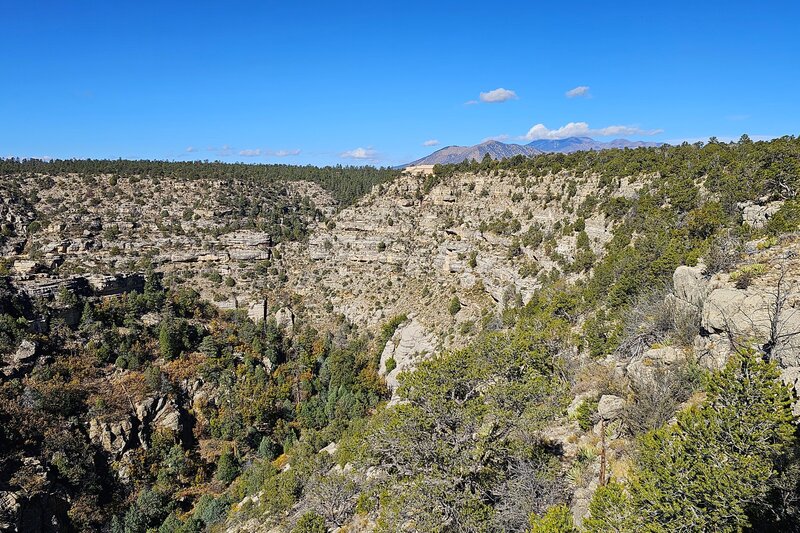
(21, 360)
(642, 368)
(610, 407)
(689, 285)
(156, 413)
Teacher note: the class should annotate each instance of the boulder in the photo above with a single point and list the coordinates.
(642, 368)
(21, 360)
(610, 407)
(157, 412)
(748, 316)
(689, 285)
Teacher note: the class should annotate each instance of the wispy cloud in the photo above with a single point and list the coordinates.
(284, 153)
(250, 152)
(191, 149)
(471, 102)
(501, 137)
(581, 91)
(582, 129)
(431, 142)
(497, 96)
(360, 153)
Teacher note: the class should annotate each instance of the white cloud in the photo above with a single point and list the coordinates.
(191, 149)
(285, 153)
(501, 137)
(250, 153)
(471, 102)
(498, 95)
(582, 129)
(359, 153)
(579, 91)
(431, 142)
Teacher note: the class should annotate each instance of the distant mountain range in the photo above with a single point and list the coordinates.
(576, 144)
(499, 150)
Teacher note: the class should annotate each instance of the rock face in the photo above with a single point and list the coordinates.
(755, 314)
(409, 344)
(118, 436)
(21, 360)
(154, 413)
(409, 247)
(40, 505)
(194, 229)
(116, 284)
(284, 318)
(114, 437)
(257, 311)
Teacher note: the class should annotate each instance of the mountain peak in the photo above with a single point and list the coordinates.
(500, 150)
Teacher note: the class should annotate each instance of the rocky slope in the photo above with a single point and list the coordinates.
(412, 247)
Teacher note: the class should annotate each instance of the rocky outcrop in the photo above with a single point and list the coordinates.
(756, 215)
(114, 437)
(21, 360)
(135, 430)
(116, 284)
(154, 413)
(284, 318)
(610, 407)
(409, 344)
(758, 315)
(642, 368)
(39, 505)
(689, 286)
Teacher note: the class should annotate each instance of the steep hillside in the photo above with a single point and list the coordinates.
(487, 238)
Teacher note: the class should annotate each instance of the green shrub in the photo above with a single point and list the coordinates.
(227, 467)
(557, 519)
(585, 413)
(311, 522)
(455, 306)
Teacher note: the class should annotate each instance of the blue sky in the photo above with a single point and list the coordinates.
(371, 82)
